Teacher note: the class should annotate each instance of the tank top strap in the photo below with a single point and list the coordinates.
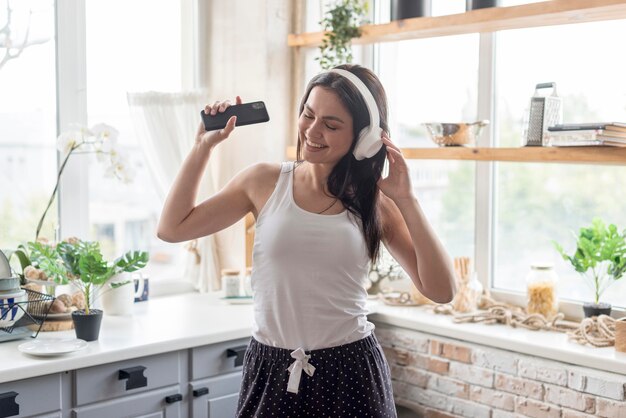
(280, 197)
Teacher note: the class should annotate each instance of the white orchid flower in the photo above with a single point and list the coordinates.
(68, 140)
(105, 135)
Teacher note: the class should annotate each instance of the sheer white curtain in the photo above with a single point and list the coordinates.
(166, 124)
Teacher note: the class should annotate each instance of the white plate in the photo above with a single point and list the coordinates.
(239, 300)
(52, 347)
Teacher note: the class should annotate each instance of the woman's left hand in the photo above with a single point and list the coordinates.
(397, 184)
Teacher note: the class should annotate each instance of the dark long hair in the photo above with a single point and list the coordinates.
(353, 182)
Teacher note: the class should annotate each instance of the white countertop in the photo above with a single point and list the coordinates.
(546, 344)
(157, 326)
(192, 320)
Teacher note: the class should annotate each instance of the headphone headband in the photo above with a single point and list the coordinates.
(369, 141)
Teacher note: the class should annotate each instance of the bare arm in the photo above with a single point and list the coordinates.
(181, 219)
(409, 236)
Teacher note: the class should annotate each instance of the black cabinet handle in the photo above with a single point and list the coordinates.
(174, 398)
(8, 406)
(237, 352)
(200, 392)
(135, 377)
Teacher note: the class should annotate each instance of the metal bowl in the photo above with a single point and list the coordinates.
(455, 134)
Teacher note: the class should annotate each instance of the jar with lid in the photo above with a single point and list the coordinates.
(541, 290)
(247, 282)
(231, 282)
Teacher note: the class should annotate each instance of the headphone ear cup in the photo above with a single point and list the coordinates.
(368, 143)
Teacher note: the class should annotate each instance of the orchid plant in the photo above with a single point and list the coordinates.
(101, 139)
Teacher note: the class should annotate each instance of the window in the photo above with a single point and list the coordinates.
(124, 52)
(134, 54)
(538, 203)
(27, 119)
(425, 83)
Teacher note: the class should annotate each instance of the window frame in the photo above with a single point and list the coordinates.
(485, 241)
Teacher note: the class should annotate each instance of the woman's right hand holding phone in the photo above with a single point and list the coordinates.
(212, 138)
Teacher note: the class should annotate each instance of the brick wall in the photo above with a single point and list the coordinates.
(442, 377)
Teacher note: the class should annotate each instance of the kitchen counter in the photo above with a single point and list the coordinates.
(157, 326)
(192, 320)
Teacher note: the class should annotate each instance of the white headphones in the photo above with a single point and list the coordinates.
(369, 141)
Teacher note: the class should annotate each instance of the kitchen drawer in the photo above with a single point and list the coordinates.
(151, 404)
(219, 358)
(128, 377)
(218, 398)
(35, 396)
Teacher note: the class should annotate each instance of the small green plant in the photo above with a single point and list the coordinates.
(341, 24)
(601, 251)
(82, 263)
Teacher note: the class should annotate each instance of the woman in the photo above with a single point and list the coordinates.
(319, 222)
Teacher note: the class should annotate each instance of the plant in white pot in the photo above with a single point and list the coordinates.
(82, 264)
(600, 257)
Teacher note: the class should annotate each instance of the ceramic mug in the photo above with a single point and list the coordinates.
(119, 300)
(11, 307)
(142, 287)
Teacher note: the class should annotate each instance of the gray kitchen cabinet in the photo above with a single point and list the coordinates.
(197, 382)
(140, 387)
(150, 404)
(35, 397)
(215, 373)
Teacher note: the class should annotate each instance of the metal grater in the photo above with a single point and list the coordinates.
(544, 111)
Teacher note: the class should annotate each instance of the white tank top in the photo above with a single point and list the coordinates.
(308, 274)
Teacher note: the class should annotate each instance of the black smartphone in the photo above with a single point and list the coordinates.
(247, 114)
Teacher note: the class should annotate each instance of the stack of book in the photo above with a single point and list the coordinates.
(586, 134)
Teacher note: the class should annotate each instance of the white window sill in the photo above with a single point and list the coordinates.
(545, 344)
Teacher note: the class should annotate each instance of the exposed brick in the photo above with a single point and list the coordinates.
(397, 356)
(449, 387)
(469, 409)
(607, 385)
(611, 409)
(535, 369)
(408, 339)
(419, 361)
(384, 335)
(430, 398)
(495, 398)
(536, 409)
(567, 397)
(438, 366)
(400, 389)
(420, 410)
(497, 360)
(570, 413)
(519, 386)
(471, 374)
(436, 347)
(451, 351)
(497, 413)
(416, 377)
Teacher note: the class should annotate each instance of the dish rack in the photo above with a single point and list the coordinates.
(35, 309)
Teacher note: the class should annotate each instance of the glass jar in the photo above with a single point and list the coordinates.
(247, 282)
(541, 292)
(231, 281)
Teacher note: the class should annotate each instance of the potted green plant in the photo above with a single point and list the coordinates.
(81, 263)
(341, 24)
(600, 257)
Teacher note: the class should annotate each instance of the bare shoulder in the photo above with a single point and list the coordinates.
(259, 181)
(261, 174)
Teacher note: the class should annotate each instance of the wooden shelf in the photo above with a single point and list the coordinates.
(593, 155)
(548, 13)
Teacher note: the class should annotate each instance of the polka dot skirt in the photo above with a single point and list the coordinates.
(350, 380)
